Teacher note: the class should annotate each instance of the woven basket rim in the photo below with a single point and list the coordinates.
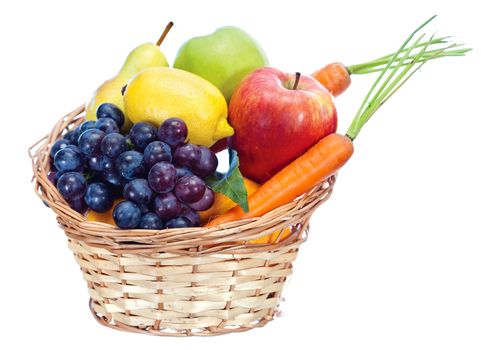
(229, 237)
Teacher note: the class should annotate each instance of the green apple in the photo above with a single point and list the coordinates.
(224, 57)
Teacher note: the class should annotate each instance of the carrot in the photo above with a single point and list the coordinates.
(327, 156)
(319, 162)
(336, 77)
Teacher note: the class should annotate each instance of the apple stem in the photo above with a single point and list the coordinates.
(164, 33)
(298, 76)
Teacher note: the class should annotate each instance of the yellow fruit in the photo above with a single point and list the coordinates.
(106, 217)
(109, 92)
(159, 93)
(223, 203)
(273, 237)
(143, 56)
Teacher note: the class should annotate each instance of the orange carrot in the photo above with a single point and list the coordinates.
(327, 156)
(335, 77)
(321, 161)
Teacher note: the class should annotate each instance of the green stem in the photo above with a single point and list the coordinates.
(382, 90)
(402, 82)
(441, 40)
(356, 124)
(386, 58)
(402, 65)
(379, 63)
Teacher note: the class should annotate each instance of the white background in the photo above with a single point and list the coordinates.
(394, 258)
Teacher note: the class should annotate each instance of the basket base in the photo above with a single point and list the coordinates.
(170, 332)
(179, 295)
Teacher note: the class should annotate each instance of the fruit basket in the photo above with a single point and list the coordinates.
(189, 281)
(143, 151)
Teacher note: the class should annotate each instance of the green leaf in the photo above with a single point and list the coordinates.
(231, 183)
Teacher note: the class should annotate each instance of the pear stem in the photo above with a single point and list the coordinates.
(164, 33)
(296, 82)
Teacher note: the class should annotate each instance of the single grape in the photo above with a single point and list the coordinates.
(109, 110)
(162, 177)
(138, 191)
(90, 140)
(166, 206)
(187, 155)
(173, 131)
(157, 151)
(142, 134)
(70, 136)
(72, 185)
(98, 197)
(207, 163)
(113, 178)
(107, 125)
(130, 165)
(189, 189)
(190, 214)
(68, 160)
(179, 222)
(127, 215)
(182, 171)
(205, 202)
(86, 125)
(78, 205)
(151, 221)
(58, 145)
(77, 150)
(108, 164)
(95, 162)
(113, 144)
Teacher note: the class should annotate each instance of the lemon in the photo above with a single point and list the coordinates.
(159, 93)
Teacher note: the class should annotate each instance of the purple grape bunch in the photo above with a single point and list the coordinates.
(158, 174)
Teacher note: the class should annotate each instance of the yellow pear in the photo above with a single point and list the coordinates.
(143, 56)
(159, 93)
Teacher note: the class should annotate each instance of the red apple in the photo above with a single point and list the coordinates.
(276, 121)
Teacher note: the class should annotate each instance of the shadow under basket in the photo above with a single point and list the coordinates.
(179, 282)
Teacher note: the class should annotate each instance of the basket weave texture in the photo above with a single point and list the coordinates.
(194, 281)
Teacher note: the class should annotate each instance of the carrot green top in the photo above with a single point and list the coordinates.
(402, 64)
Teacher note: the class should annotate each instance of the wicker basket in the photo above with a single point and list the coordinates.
(181, 282)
